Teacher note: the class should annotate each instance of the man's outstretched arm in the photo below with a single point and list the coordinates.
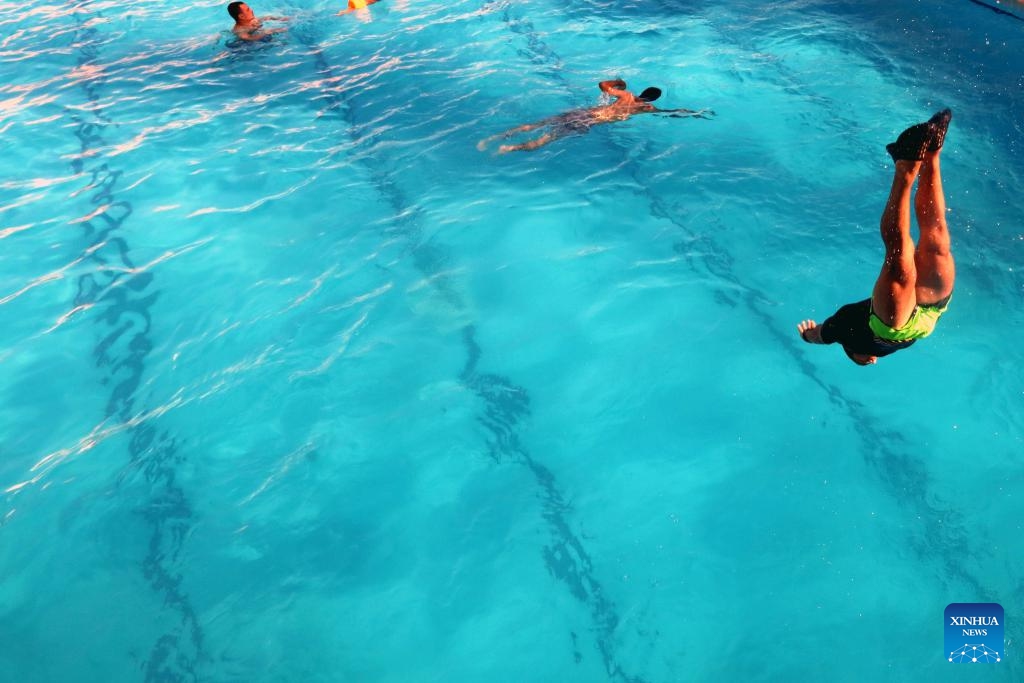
(687, 113)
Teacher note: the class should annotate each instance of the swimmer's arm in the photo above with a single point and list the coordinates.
(256, 34)
(687, 113)
(616, 88)
(250, 34)
(276, 18)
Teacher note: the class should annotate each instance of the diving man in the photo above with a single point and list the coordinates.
(916, 282)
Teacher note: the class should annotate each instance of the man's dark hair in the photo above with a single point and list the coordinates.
(649, 95)
(234, 9)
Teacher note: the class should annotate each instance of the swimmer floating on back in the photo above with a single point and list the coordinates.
(248, 26)
(580, 121)
(916, 283)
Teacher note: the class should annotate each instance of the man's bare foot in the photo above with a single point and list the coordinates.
(809, 332)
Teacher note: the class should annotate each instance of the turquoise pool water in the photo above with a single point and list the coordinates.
(300, 386)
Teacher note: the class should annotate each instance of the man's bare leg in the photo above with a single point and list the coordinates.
(482, 145)
(936, 270)
(529, 146)
(894, 297)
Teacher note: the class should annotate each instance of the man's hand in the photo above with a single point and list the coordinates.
(809, 332)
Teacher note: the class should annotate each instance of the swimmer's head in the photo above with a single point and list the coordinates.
(650, 94)
(239, 9)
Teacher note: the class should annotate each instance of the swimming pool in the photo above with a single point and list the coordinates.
(299, 385)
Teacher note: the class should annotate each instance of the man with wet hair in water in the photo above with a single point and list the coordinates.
(916, 283)
(248, 26)
(580, 121)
